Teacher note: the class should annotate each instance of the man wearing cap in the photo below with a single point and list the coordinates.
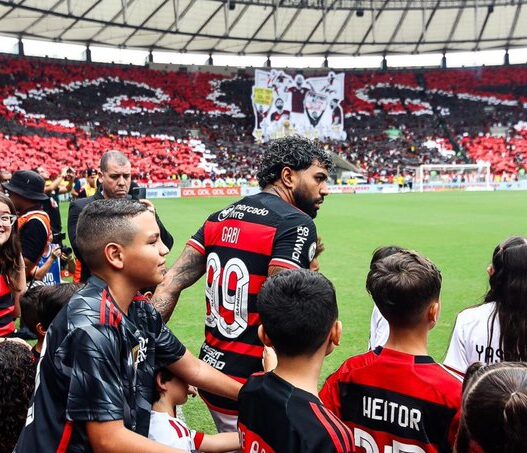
(115, 175)
(89, 189)
(26, 189)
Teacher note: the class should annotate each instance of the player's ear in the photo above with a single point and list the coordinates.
(335, 335)
(160, 385)
(490, 270)
(433, 313)
(40, 330)
(262, 335)
(113, 253)
(288, 176)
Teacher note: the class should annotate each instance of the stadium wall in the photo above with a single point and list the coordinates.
(207, 192)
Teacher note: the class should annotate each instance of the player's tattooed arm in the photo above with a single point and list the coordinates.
(273, 270)
(187, 270)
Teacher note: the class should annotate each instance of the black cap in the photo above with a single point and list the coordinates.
(27, 184)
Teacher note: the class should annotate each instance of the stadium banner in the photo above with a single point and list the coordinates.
(284, 105)
(193, 192)
(163, 192)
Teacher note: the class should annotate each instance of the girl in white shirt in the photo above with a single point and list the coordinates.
(496, 330)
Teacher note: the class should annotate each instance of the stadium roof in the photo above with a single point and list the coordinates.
(273, 27)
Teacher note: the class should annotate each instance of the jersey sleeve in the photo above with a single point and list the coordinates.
(456, 356)
(330, 396)
(197, 438)
(168, 348)
(295, 243)
(198, 240)
(96, 391)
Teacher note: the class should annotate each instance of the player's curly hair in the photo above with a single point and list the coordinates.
(295, 152)
(17, 381)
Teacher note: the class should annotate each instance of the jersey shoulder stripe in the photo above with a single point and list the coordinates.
(324, 421)
(455, 374)
(281, 262)
(109, 314)
(343, 429)
(196, 245)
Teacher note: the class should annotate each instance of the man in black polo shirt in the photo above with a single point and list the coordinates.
(115, 175)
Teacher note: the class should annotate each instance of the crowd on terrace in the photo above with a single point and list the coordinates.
(193, 125)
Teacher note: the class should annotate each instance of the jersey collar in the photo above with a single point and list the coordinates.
(402, 356)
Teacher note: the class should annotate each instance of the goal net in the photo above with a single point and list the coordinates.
(454, 176)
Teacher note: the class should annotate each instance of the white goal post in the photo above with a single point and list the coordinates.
(482, 178)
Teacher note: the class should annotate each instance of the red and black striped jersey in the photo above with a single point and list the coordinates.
(396, 402)
(240, 243)
(276, 417)
(7, 308)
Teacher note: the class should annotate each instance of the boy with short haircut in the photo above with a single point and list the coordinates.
(40, 305)
(95, 379)
(396, 396)
(168, 429)
(280, 410)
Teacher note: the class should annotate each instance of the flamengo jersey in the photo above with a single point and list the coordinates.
(240, 244)
(173, 432)
(395, 402)
(7, 308)
(97, 364)
(472, 340)
(276, 417)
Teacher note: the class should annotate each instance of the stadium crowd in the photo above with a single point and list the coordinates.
(105, 372)
(192, 125)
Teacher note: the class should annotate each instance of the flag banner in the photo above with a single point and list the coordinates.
(287, 105)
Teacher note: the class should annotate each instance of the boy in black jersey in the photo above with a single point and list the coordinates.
(95, 379)
(280, 410)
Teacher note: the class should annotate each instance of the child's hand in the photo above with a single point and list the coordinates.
(269, 359)
(192, 391)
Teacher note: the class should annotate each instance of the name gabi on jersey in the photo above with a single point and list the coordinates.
(302, 232)
(230, 235)
(391, 412)
(238, 212)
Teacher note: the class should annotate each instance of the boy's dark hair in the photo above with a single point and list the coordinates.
(165, 377)
(29, 307)
(297, 309)
(494, 408)
(402, 286)
(105, 221)
(17, 381)
(384, 252)
(42, 303)
(294, 152)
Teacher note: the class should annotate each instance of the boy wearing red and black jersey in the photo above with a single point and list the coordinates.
(280, 411)
(239, 247)
(94, 384)
(397, 397)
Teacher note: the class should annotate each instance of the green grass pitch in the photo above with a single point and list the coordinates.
(456, 230)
